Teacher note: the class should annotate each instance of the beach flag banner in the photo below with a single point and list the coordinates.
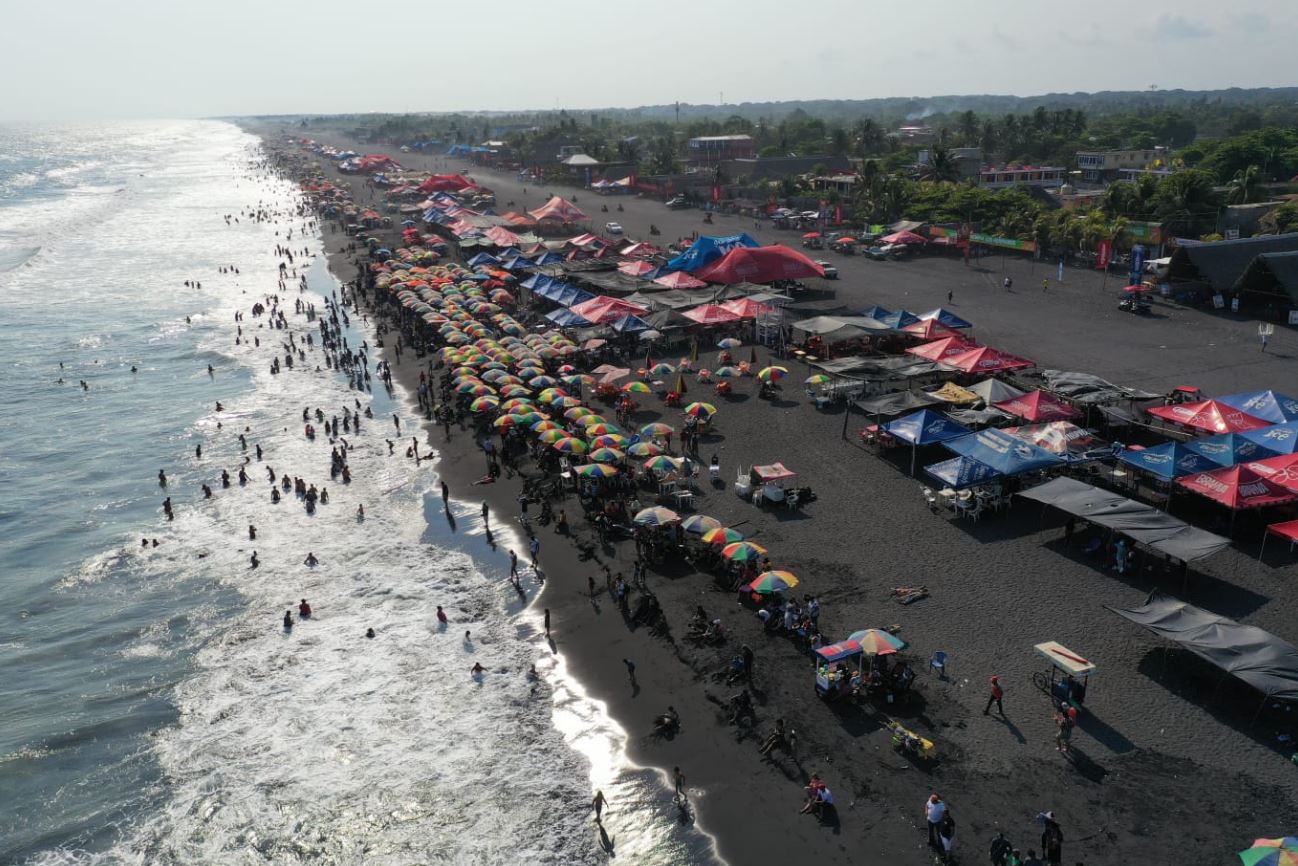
(680, 383)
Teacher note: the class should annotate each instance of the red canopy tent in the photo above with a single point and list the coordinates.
(943, 348)
(1210, 415)
(1288, 529)
(680, 280)
(1238, 487)
(636, 269)
(559, 210)
(640, 249)
(518, 219)
(1038, 406)
(745, 308)
(502, 237)
(1282, 469)
(930, 329)
(903, 238)
(603, 309)
(711, 314)
(984, 359)
(759, 265)
(445, 183)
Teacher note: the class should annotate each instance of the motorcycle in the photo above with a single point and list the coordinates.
(619, 208)
(667, 724)
(707, 218)
(653, 230)
(1135, 305)
(603, 208)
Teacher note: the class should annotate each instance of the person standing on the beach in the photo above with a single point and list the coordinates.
(630, 670)
(1007, 283)
(513, 565)
(534, 548)
(1052, 840)
(749, 660)
(598, 805)
(484, 513)
(995, 697)
(1063, 730)
(446, 495)
(441, 615)
(934, 809)
(547, 622)
(1045, 285)
(678, 779)
(946, 833)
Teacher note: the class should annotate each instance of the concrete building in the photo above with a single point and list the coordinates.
(968, 160)
(1102, 166)
(712, 149)
(1025, 175)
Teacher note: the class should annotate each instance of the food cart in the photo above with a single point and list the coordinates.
(838, 669)
(768, 482)
(1076, 671)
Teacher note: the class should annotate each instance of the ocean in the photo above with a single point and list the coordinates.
(152, 708)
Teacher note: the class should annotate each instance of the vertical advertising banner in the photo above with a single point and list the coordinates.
(1103, 250)
(1137, 264)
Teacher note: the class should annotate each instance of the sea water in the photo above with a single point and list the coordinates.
(152, 709)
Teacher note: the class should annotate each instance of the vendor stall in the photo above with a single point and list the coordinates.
(768, 482)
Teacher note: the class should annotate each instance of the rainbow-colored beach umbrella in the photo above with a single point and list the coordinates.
(570, 445)
(601, 428)
(606, 455)
(1272, 852)
(644, 449)
(663, 463)
(608, 440)
(722, 536)
(700, 410)
(743, 551)
(877, 642)
(549, 437)
(818, 379)
(658, 428)
(772, 374)
(775, 581)
(656, 516)
(661, 369)
(596, 470)
(484, 404)
(727, 373)
(636, 388)
(699, 523)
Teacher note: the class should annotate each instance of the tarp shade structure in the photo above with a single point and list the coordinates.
(875, 312)
(1229, 449)
(1280, 438)
(994, 391)
(1287, 530)
(947, 318)
(708, 249)
(636, 269)
(954, 394)
(772, 472)
(1038, 406)
(567, 319)
(837, 652)
(1167, 461)
(1239, 487)
(978, 417)
(829, 329)
(889, 368)
(1073, 443)
(1267, 405)
(680, 280)
(1259, 658)
(630, 324)
(938, 350)
(745, 308)
(1007, 454)
(984, 359)
(603, 310)
(1138, 521)
(895, 404)
(924, 427)
(961, 472)
(903, 238)
(1211, 415)
(710, 314)
(559, 210)
(760, 265)
(1089, 389)
(502, 237)
(898, 319)
(444, 183)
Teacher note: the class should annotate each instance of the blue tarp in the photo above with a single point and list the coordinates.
(482, 259)
(549, 259)
(1229, 449)
(899, 319)
(924, 427)
(570, 295)
(707, 249)
(536, 282)
(630, 324)
(1167, 461)
(961, 472)
(1003, 452)
(567, 319)
(875, 312)
(1280, 438)
(1267, 405)
(946, 317)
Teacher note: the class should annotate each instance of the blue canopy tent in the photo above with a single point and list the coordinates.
(482, 259)
(567, 319)
(549, 259)
(899, 319)
(1267, 405)
(875, 312)
(1168, 461)
(1006, 454)
(1229, 449)
(924, 427)
(517, 263)
(961, 472)
(707, 249)
(536, 282)
(1280, 438)
(947, 318)
(630, 324)
(571, 295)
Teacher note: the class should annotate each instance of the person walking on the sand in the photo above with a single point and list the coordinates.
(995, 697)
(1045, 285)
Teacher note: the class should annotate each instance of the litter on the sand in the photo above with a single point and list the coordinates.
(909, 594)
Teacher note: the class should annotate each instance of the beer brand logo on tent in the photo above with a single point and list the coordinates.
(1256, 488)
(1022, 451)
(1212, 483)
(1182, 411)
(1212, 448)
(1279, 434)
(1156, 459)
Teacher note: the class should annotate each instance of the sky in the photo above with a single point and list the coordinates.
(78, 59)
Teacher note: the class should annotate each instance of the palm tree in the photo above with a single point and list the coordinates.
(968, 127)
(941, 165)
(1186, 202)
(1245, 187)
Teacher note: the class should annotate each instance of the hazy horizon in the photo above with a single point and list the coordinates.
(84, 60)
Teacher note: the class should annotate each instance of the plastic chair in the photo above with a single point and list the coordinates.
(938, 663)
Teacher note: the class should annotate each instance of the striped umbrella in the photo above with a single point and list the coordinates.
(727, 373)
(644, 449)
(636, 388)
(658, 428)
(743, 551)
(549, 437)
(596, 470)
(722, 536)
(570, 445)
(772, 374)
(818, 379)
(877, 642)
(484, 404)
(601, 429)
(608, 440)
(656, 516)
(663, 463)
(777, 581)
(577, 412)
(700, 410)
(1272, 852)
(606, 455)
(699, 523)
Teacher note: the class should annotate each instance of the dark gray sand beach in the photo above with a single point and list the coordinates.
(1170, 762)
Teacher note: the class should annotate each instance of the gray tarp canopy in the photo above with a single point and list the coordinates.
(674, 299)
(995, 391)
(879, 368)
(1259, 658)
(895, 404)
(829, 329)
(1085, 388)
(977, 416)
(1142, 523)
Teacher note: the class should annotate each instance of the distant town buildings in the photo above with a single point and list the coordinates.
(1027, 175)
(1103, 166)
(712, 149)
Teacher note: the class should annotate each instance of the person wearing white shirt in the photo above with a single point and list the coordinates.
(934, 809)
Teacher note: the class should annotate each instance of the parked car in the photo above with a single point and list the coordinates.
(678, 202)
(613, 228)
(831, 272)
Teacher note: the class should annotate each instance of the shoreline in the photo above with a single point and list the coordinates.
(878, 799)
